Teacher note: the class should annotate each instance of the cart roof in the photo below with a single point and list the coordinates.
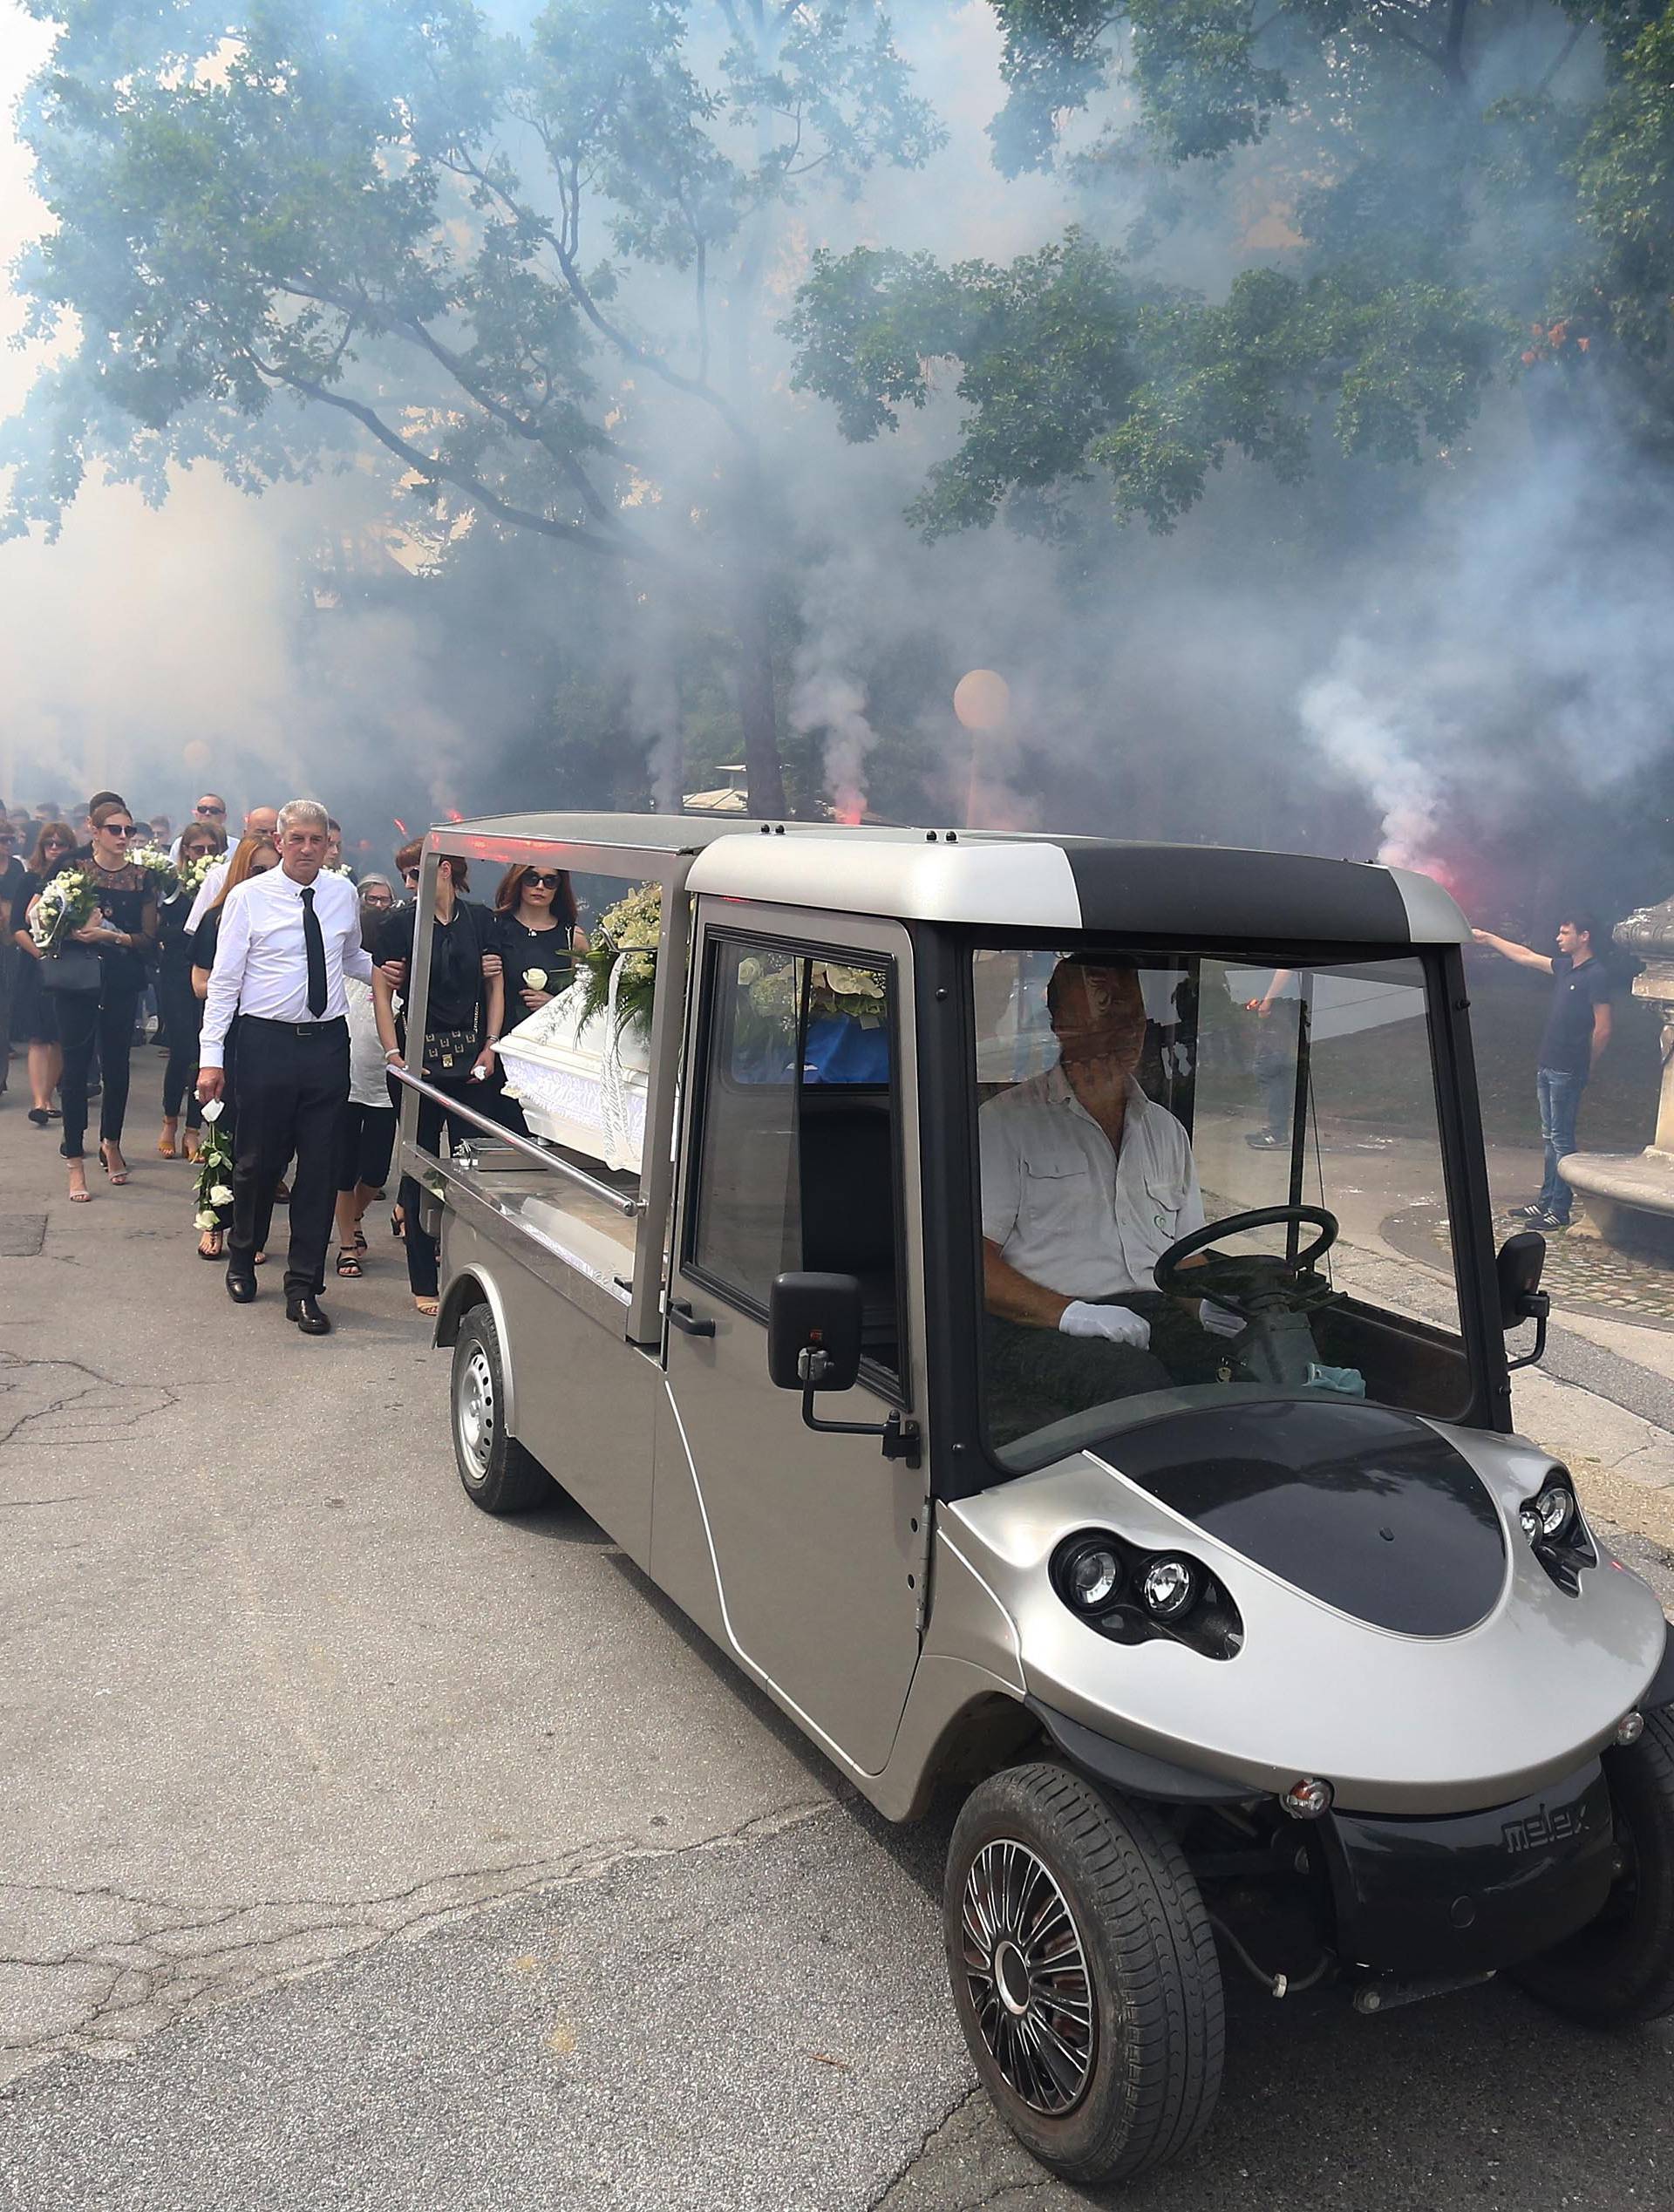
(1005, 880)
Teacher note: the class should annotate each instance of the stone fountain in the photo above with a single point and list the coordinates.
(1630, 1196)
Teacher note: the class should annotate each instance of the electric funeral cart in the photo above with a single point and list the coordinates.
(1300, 1662)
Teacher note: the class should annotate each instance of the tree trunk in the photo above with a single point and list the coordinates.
(757, 706)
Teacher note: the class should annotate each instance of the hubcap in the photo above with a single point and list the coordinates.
(475, 1411)
(1027, 1976)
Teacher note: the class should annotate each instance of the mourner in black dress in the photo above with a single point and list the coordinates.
(121, 929)
(34, 1010)
(462, 1020)
(536, 937)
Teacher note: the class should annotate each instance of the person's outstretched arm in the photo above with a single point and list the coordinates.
(1525, 956)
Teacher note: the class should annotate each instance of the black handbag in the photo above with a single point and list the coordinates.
(73, 970)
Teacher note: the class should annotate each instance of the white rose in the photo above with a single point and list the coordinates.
(535, 978)
(205, 1220)
(220, 1195)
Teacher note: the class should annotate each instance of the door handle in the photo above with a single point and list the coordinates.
(689, 1324)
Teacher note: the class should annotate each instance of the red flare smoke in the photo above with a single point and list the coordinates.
(399, 824)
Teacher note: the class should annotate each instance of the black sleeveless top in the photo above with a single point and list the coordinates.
(122, 895)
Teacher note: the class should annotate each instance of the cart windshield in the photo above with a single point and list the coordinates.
(1127, 1100)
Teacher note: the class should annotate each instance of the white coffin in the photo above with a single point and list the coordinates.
(580, 1084)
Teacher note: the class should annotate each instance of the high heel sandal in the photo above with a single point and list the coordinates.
(83, 1196)
(166, 1147)
(117, 1174)
(215, 1236)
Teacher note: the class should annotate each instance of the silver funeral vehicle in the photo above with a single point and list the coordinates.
(1032, 1300)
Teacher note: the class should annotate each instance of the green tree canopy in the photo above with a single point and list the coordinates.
(1413, 200)
(528, 272)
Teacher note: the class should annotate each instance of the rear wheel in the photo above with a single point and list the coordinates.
(1084, 1974)
(1620, 1969)
(498, 1473)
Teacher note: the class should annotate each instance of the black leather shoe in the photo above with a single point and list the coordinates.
(307, 1314)
(240, 1289)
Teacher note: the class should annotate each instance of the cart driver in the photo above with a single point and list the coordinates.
(1086, 1183)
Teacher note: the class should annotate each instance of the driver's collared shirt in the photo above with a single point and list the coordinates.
(1064, 1209)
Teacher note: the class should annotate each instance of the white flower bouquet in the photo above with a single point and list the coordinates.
(628, 932)
(215, 1185)
(157, 865)
(192, 873)
(64, 904)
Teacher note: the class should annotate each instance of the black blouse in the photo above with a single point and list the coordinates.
(458, 998)
(122, 895)
(520, 949)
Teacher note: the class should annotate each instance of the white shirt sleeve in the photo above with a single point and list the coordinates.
(225, 979)
(1002, 1176)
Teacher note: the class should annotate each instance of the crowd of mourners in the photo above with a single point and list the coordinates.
(109, 925)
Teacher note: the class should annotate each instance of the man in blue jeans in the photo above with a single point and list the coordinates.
(1577, 1031)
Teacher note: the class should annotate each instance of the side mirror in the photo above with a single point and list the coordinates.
(1518, 1267)
(1520, 1262)
(813, 1331)
(813, 1343)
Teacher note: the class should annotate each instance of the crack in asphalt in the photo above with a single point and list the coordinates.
(926, 2144)
(88, 1421)
(180, 1960)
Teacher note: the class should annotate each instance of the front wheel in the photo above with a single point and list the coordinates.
(1084, 1974)
(498, 1473)
(1619, 1969)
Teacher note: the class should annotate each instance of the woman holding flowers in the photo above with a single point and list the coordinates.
(179, 1005)
(34, 1011)
(535, 937)
(112, 907)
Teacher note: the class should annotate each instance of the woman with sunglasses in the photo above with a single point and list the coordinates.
(535, 937)
(122, 929)
(181, 1007)
(35, 1012)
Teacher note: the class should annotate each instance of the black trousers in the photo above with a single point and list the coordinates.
(183, 1012)
(422, 1276)
(89, 1025)
(293, 1079)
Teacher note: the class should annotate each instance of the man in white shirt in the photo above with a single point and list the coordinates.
(259, 822)
(287, 939)
(1086, 1185)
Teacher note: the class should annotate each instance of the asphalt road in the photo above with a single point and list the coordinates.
(358, 1850)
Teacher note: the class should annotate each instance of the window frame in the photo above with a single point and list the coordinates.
(894, 1387)
(1487, 1401)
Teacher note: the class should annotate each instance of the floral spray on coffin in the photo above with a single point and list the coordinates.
(578, 1066)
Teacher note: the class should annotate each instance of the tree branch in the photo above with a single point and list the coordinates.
(1561, 57)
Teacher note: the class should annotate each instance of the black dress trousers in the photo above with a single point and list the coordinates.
(293, 1081)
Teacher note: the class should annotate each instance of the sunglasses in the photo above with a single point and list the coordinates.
(532, 880)
(209, 810)
(120, 829)
(409, 876)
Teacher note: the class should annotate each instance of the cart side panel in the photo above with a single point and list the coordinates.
(586, 1400)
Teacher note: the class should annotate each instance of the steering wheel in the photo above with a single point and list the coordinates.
(1260, 1282)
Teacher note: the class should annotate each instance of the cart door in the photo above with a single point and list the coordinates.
(797, 1146)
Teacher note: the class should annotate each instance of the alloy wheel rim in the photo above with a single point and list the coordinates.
(1026, 1973)
(476, 1412)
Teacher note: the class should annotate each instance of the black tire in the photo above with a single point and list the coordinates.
(498, 1473)
(1620, 1969)
(1141, 2076)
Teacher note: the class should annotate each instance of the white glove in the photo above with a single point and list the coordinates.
(1116, 1324)
(1219, 1321)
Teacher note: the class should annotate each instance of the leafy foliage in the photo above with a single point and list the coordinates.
(1435, 215)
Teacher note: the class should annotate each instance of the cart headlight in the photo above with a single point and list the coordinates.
(1552, 1522)
(1169, 1587)
(1092, 1578)
(1135, 1596)
(1555, 1508)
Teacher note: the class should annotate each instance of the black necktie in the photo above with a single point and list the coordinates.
(314, 945)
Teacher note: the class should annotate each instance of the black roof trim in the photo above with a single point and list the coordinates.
(1210, 891)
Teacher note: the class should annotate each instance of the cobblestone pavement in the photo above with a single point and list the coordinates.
(1584, 1274)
